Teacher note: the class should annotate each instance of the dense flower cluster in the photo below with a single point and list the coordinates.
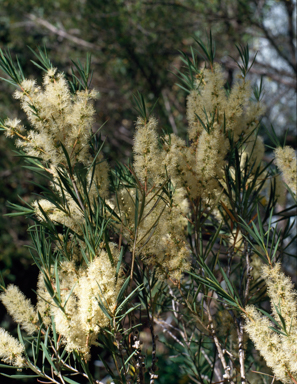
(79, 318)
(58, 118)
(61, 126)
(278, 348)
(170, 177)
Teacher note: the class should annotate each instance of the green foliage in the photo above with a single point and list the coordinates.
(244, 55)
(14, 72)
(209, 50)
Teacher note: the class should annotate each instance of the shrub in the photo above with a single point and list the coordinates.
(182, 242)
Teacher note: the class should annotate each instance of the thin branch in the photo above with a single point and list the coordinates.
(241, 353)
(165, 329)
(62, 33)
(273, 41)
(290, 7)
(219, 347)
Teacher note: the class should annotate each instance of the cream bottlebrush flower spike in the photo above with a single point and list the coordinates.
(279, 349)
(179, 162)
(210, 160)
(286, 161)
(147, 155)
(11, 350)
(20, 308)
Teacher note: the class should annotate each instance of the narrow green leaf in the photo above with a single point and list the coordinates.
(123, 289)
(48, 357)
(70, 381)
(129, 297)
(18, 376)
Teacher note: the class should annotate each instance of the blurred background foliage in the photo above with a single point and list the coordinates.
(135, 47)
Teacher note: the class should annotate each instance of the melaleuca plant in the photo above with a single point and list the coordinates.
(181, 244)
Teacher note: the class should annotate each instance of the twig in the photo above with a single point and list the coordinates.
(248, 274)
(219, 347)
(60, 360)
(170, 333)
(239, 327)
(216, 371)
(62, 33)
(173, 302)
